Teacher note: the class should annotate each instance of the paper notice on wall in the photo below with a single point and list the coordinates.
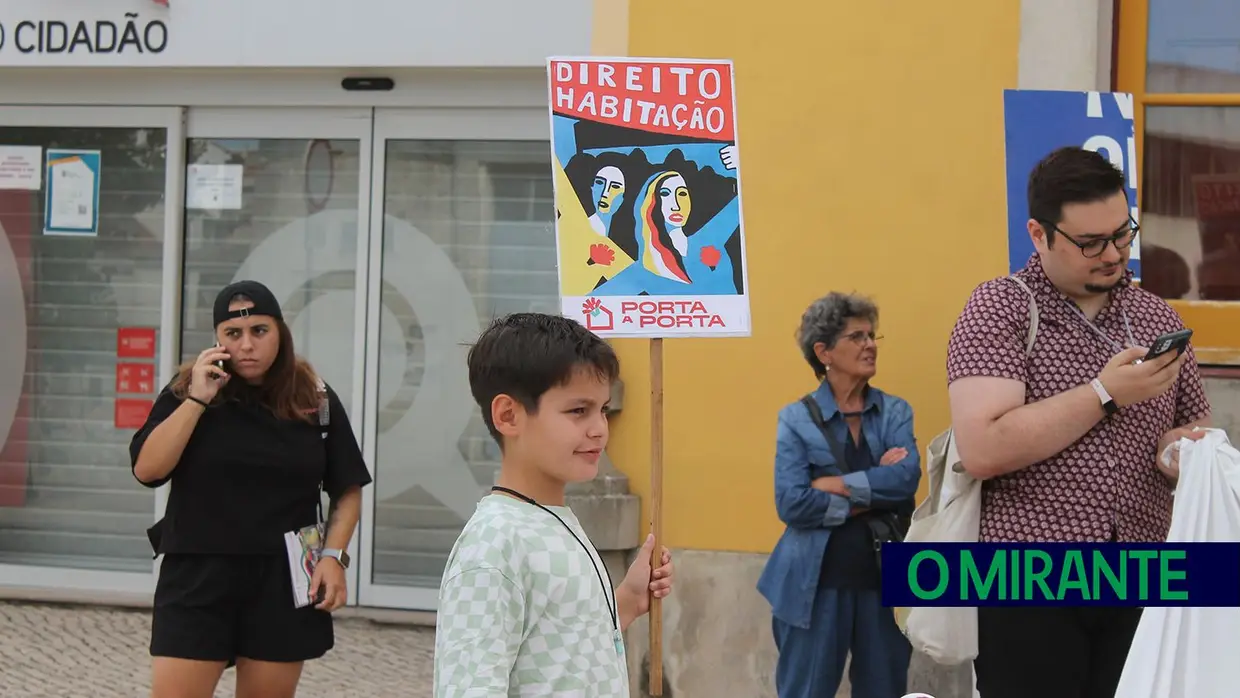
(213, 187)
(21, 167)
(72, 206)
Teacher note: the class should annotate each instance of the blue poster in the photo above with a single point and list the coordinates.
(72, 203)
(1037, 122)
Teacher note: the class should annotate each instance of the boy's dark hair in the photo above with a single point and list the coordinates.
(524, 355)
(1070, 175)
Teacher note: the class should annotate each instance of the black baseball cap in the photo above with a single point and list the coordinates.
(265, 302)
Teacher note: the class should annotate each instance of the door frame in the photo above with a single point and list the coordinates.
(392, 124)
(306, 123)
(172, 120)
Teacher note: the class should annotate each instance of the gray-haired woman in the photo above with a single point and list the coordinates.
(846, 471)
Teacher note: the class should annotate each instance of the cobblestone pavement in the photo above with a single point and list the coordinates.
(49, 651)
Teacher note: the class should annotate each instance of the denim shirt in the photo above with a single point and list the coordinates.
(790, 579)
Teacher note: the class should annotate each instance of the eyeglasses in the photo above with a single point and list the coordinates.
(1122, 239)
(860, 337)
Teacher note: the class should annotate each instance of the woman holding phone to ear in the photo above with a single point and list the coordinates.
(247, 435)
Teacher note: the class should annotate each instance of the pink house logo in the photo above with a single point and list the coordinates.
(598, 317)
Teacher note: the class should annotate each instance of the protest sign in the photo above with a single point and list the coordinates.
(648, 198)
(648, 219)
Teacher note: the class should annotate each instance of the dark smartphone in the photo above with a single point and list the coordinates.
(218, 364)
(1172, 340)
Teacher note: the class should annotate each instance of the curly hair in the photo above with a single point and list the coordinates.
(824, 321)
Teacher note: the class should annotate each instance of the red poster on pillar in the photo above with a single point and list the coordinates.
(131, 413)
(135, 343)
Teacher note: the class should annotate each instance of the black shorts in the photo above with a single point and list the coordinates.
(221, 607)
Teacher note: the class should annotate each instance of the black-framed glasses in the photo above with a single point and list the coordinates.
(1122, 239)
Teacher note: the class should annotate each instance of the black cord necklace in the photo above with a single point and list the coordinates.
(607, 590)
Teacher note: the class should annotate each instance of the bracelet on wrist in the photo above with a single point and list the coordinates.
(191, 398)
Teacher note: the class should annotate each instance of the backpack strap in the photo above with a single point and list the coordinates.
(325, 417)
(1033, 315)
(1030, 339)
(815, 414)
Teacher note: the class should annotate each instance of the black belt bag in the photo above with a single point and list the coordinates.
(885, 526)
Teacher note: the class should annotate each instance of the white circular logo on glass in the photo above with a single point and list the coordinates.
(13, 338)
(422, 446)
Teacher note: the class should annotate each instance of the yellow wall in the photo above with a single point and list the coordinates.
(871, 139)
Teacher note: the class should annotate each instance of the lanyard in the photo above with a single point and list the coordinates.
(1123, 316)
(607, 594)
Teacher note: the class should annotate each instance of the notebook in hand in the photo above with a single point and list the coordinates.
(303, 548)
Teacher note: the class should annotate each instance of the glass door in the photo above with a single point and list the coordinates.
(282, 196)
(88, 240)
(461, 232)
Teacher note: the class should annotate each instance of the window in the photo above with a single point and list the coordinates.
(292, 227)
(1180, 59)
(471, 222)
(67, 496)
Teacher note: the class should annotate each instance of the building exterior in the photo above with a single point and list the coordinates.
(384, 167)
(393, 208)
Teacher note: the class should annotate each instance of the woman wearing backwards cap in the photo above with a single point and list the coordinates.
(246, 443)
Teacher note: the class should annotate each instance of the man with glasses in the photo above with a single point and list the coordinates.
(1066, 438)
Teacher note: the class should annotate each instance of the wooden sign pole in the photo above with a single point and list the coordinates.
(656, 510)
(593, 268)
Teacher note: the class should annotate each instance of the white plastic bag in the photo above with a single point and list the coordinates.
(950, 513)
(1179, 652)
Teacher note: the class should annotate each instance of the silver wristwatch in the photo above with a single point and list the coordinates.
(341, 556)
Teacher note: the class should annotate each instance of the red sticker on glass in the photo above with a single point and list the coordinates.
(131, 413)
(135, 379)
(135, 342)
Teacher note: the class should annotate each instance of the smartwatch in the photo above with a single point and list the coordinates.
(341, 556)
(1108, 402)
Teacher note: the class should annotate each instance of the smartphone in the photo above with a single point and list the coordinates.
(218, 364)
(1172, 340)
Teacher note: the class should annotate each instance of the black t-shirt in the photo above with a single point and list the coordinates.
(850, 561)
(246, 477)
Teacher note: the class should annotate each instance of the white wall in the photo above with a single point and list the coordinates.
(1065, 45)
(293, 33)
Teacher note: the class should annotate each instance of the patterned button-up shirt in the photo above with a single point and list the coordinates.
(1105, 485)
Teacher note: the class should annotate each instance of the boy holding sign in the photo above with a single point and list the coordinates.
(526, 607)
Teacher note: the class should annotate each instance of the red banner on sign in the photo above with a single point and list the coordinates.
(683, 99)
(135, 378)
(131, 413)
(135, 342)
